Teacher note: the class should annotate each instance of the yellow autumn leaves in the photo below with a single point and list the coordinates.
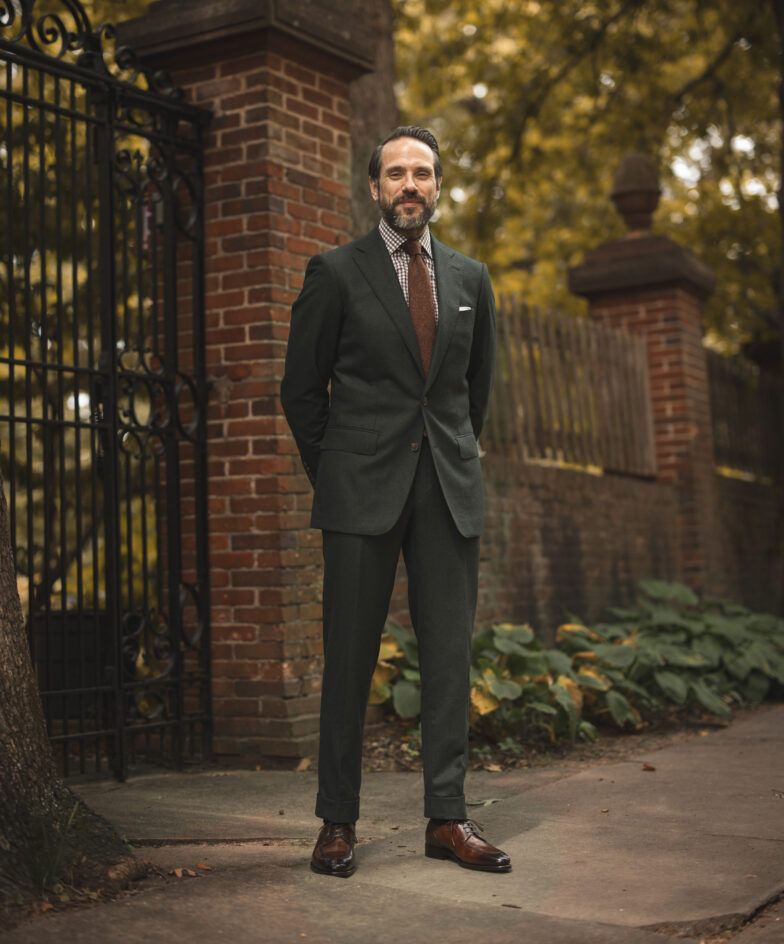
(386, 670)
(517, 681)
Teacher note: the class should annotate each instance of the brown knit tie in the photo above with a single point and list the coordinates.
(420, 301)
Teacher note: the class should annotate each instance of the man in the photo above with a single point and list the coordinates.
(386, 386)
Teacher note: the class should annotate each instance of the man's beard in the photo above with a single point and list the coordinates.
(400, 221)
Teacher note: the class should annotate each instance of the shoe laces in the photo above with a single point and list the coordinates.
(471, 826)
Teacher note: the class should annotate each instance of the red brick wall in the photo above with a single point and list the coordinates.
(670, 318)
(276, 192)
(750, 543)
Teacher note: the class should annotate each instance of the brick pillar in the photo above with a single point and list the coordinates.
(649, 284)
(276, 77)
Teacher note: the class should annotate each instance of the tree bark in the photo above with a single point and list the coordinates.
(46, 834)
(374, 113)
(778, 9)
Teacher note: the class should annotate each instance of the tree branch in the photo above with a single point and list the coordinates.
(710, 70)
(529, 108)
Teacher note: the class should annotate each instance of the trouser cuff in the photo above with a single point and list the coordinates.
(446, 807)
(337, 811)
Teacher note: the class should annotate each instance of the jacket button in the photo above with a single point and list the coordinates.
(424, 401)
(414, 447)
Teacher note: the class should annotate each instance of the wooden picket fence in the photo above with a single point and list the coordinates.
(747, 407)
(568, 392)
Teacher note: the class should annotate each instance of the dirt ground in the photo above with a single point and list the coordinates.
(392, 744)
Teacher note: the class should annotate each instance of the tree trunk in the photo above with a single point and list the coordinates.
(778, 9)
(46, 833)
(374, 113)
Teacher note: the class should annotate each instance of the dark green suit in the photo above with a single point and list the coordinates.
(394, 461)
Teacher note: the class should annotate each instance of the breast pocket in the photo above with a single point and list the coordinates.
(363, 442)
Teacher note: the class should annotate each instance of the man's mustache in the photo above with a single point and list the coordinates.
(409, 199)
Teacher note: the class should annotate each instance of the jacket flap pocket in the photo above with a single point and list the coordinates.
(468, 446)
(350, 439)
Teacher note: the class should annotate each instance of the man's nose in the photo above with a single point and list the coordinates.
(409, 184)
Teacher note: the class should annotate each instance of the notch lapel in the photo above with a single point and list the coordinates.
(372, 258)
(449, 280)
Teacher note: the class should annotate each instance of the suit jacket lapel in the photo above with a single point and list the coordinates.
(372, 258)
(449, 278)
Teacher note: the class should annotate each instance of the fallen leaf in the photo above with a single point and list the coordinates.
(303, 765)
(46, 906)
(201, 865)
(779, 794)
(281, 812)
(605, 810)
(176, 872)
(483, 802)
(648, 767)
(190, 872)
(496, 768)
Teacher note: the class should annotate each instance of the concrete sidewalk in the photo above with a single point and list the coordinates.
(604, 854)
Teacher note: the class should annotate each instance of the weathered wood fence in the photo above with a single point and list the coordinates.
(747, 409)
(570, 393)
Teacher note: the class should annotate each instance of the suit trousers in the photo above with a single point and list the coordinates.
(359, 574)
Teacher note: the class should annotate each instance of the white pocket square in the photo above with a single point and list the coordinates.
(464, 308)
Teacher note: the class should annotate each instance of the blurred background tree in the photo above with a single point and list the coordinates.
(536, 101)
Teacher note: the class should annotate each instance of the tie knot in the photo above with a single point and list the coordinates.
(413, 247)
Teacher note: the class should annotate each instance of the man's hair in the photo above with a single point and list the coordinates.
(407, 131)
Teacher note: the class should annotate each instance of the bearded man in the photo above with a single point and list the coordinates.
(388, 374)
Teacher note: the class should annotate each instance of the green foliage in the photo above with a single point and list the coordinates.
(669, 649)
(534, 103)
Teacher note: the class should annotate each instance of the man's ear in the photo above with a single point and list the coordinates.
(373, 189)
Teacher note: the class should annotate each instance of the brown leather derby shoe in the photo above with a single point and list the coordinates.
(460, 840)
(334, 851)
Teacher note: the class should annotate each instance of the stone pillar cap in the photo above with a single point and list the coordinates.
(640, 262)
(641, 259)
(331, 26)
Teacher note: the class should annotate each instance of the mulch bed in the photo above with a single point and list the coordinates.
(393, 744)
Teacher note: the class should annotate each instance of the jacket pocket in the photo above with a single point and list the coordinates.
(363, 442)
(467, 446)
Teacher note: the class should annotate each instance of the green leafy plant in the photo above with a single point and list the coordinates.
(414, 744)
(669, 649)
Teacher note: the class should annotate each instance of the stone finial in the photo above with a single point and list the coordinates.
(636, 191)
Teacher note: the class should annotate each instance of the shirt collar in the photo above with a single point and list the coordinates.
(394, 240)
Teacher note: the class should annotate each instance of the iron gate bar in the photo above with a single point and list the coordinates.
(68, 106)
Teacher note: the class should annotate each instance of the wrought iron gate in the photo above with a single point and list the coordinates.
(102, 387)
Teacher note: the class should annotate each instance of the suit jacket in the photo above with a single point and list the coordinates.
(355, 393)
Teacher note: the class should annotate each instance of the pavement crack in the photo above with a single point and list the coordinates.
(716, 924)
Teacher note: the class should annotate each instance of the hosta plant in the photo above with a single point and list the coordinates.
(670, 648)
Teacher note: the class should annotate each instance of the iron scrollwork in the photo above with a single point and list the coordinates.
(65, 31)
